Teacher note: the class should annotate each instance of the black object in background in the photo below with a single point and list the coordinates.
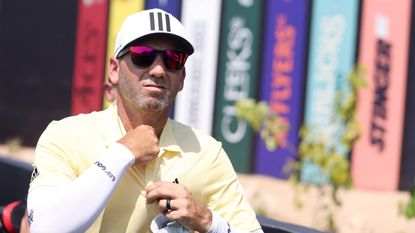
(37, 40)
(11, 216)
(407, 169)
(15, 178)
(14, 184)
(274, 226)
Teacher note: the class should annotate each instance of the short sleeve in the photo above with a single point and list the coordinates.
(52, 166)
(226, 196)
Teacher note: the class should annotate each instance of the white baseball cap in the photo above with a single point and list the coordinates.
(151, 22)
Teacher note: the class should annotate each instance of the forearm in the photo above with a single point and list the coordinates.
(74, 207)
(220, 225)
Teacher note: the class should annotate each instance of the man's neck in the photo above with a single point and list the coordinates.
(132, 119)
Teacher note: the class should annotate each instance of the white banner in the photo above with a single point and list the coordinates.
(194, 104)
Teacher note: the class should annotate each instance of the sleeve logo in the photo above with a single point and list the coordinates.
(35, 173)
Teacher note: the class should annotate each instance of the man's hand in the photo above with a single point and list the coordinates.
(184, 207)
(143, 143)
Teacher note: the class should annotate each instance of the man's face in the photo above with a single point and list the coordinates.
(152, 88)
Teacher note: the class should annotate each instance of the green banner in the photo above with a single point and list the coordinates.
(238, 64)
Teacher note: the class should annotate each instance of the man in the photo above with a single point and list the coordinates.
(109, 91)
(129, 166)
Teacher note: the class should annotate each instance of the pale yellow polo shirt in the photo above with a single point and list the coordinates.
(69, 146)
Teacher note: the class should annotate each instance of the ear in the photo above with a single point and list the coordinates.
(113, 70)
(110, 92)
(182, 78)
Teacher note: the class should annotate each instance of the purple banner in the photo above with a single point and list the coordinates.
(171, 6)
(282, 81)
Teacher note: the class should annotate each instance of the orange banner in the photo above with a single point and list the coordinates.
(384, 47)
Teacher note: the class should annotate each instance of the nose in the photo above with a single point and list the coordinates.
(157, 68)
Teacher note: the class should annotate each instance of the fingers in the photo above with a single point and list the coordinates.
(163, 190)
(166, 196)
(177, 203)
(168, 205)
(143, 143)
(174, 209)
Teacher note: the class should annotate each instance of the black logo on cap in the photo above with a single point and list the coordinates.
(159, 20)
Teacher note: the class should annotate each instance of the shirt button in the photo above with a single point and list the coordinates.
(150, 167)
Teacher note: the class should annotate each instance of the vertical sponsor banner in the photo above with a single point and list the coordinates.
(194, 104)
(237, 77)
(407, 166)
(171, 6)
(384, 47)
(174, 8)
(332, 54)
(282, 81)
(118, 11)
(89, 64)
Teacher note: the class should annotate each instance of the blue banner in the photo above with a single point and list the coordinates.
(171, 6)
(282, 81)
(332, 54)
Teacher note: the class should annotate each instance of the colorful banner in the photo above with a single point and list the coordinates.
(282, 80)
(384, 47)
(332, 54)
(89, 64)
(237, 77)
(119, 10)
(171, 6)
(194, 104)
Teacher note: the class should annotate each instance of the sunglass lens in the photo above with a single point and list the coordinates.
(174, 59)
(142, 55)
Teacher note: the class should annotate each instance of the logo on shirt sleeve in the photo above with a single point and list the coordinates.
(35, 173)
(30, 216)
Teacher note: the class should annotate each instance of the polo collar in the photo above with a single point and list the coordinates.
(167, 141)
